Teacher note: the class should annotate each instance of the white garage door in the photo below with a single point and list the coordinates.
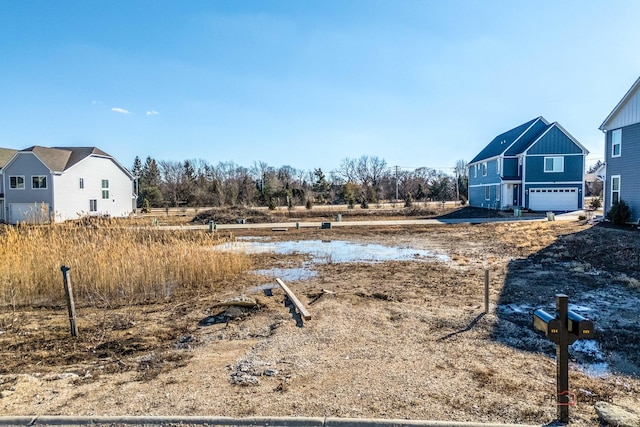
(33, 213)
(553, 199)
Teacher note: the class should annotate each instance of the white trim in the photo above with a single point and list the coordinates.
(552, 155)
(485, 168)
(46, 184)
(618, 190)
(483, 185)
(563, 130)
(620, 104)
(542, 119)
(555, 183)
(619, 144)
(553, 165)
(24, 182)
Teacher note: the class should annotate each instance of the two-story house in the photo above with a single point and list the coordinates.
(622, 153)
(42, 184)
(5, 155)
(537, 165)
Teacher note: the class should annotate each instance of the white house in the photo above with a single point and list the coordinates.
(41, 184)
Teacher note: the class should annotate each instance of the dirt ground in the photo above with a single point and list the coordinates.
(395, 339)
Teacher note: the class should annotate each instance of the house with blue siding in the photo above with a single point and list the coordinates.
(537, 165)
(622, 153)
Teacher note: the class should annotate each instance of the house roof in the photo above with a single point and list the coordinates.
(501, 143)
(54, 158)
(5, 155)
(59, 159)
(621, 104)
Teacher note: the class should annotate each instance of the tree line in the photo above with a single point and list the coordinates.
(360, 181)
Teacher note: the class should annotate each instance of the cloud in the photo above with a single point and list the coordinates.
(120, 110)
(152, 113)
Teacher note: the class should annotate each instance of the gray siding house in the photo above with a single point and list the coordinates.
(622, 153)
(42, 184)
(5, 155)
(537, 165)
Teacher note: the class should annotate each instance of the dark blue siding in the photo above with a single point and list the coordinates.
(477, 196)
(573, 169)
(628, 167)
(554, 142)
(510, 168)
(536, 130)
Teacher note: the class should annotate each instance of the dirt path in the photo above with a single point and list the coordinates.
(398, 339)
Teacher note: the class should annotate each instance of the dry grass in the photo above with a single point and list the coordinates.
(110, 265)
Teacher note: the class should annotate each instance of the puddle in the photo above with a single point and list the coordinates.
(334, 251)
(324, 252)
(287, 274)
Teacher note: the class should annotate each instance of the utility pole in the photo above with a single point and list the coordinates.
(396, 168)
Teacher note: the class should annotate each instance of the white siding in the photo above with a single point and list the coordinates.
(628, 114)
(72, 202)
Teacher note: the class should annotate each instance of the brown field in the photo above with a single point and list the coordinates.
(395, 339)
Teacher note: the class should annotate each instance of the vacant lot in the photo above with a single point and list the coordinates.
(403, 338)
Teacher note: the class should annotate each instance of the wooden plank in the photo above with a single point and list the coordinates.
(303, 311)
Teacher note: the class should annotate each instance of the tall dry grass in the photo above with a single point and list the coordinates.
(110, 265)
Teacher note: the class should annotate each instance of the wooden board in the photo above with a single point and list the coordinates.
(303, 311)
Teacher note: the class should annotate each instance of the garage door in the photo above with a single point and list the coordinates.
(33, 213)
(553, 199)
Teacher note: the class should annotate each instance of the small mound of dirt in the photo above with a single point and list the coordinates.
(233, 215)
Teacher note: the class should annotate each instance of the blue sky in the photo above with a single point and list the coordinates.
(308, 83)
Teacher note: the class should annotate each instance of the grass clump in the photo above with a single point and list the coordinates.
(110, 265)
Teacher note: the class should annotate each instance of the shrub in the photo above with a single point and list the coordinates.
(364, 204)
(620, 213)
(309, 204)
(595, 203)
(408, 201)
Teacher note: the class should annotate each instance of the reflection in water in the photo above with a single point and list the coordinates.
(325, 252)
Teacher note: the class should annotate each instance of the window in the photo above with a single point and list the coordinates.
(484, 169)
(475, 171)
(615, 189)
(487, 193)
(498, 166)
(498, 193)
(16, 182)
(93, 205)
(554, 164)
(105, 188)
(81, 183)
(38, 182)
(616, 143)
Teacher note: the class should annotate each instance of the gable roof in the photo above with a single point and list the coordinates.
(5, 155)
(621, 104)
(59, 159)
(500, 144)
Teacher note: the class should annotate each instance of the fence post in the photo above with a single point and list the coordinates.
(71, 307)
(486, 291)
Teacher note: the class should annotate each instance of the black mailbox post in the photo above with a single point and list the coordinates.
(563, 329)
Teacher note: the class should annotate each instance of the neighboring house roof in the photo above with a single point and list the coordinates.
(59, 159)
(520, 139)
(621, 104)
(5, 155)
(504, 141)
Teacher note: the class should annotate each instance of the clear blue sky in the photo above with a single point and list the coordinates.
(308, 83)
